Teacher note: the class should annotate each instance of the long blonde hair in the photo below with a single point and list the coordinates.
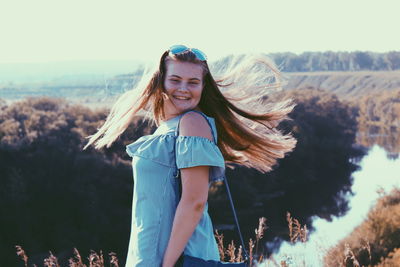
(250, 139)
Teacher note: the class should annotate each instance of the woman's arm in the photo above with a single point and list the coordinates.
(189, 211)
(194, 193)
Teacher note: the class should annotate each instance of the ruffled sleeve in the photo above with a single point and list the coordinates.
(198, 151)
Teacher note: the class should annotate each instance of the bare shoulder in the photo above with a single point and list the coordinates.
(194, 124)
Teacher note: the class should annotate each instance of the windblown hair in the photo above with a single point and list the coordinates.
(244, 138)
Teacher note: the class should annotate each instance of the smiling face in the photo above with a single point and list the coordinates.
(183, 85)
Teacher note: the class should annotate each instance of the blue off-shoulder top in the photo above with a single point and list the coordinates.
(156, 191)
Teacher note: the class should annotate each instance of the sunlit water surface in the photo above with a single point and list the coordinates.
(377, 171)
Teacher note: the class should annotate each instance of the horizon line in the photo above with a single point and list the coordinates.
(144, 60)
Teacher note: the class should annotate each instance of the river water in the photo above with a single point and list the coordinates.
(377, 172)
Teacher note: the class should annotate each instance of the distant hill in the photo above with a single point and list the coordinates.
(337, 61)
(346, 84)
(287, 61)
(347, 74)
(331, 61)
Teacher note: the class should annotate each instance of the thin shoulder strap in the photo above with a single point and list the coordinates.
(246, 256)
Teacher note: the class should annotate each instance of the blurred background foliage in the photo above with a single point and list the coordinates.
(55, 196)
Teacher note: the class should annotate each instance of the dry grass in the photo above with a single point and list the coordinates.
(234, 254)
(351, 254)
(376, 241)
(94, 260)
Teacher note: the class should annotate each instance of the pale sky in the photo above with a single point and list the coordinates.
(57, 30)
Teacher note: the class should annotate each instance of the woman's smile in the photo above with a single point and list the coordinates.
(181, 97)
(184, 85)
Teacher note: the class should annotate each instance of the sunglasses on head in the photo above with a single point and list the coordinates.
(177, 49)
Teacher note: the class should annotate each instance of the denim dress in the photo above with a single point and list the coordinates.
(156, 191)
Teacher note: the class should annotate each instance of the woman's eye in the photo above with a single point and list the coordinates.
(175, 81)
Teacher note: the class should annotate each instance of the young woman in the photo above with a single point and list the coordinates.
(199, 131)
